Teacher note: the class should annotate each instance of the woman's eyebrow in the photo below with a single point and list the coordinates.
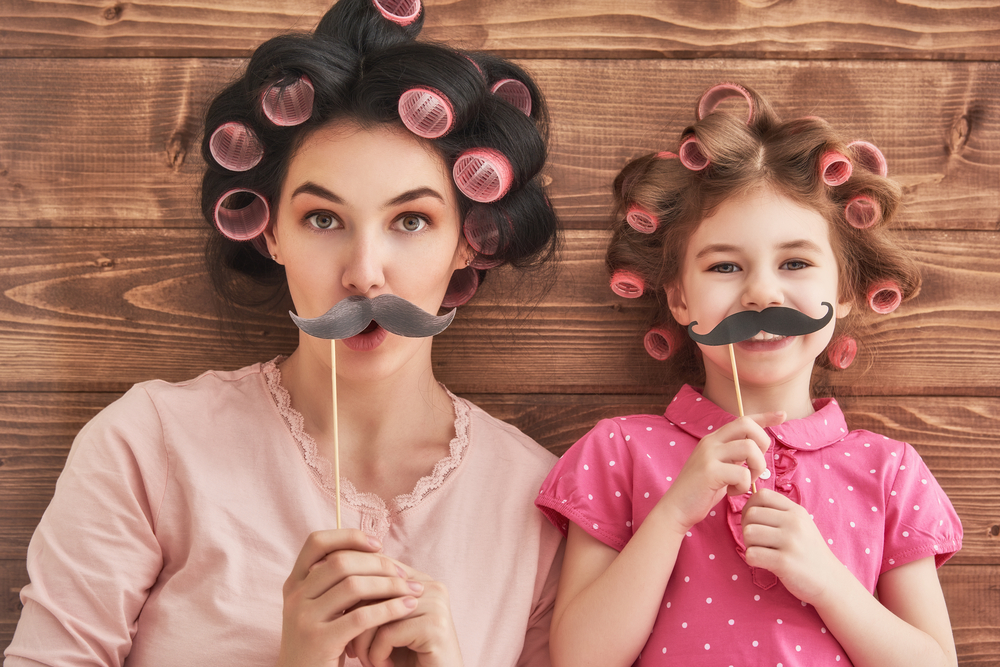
(414, 194)
(311, 188)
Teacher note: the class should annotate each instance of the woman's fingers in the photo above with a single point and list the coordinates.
(366, 617)
(343, 565)
(324, 542)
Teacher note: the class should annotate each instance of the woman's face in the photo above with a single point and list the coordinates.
(367, 212)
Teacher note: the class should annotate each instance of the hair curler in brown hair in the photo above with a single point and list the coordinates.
(715, 95)
(641, 220)
(693, 155)
(462, 286)
(870, 157)
(862, 212)
(841, 352)
(242, 223)
(483, 174)
(426, 112)
(235, 146)
(884, 297)
(289, 102)
(660, 343)
(400, 12)
(835, 168)
(627, 284)
(515, 92)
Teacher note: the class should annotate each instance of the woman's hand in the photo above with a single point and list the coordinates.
(426, 637)
(781, 537)
(726, 461)
(339, 588)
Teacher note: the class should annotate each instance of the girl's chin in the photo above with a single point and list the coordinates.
(367, 340)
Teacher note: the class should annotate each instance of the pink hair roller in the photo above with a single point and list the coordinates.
(842, 351)
(426, 112)
(461, 287)
(244, 223)
(641, 220)
(483, 174)
(400, 12)
(289, 103)
(480, 230)
(660, 343)
(515, 92)
(476, 65)
(715, 95)
(834, 168)
(483, 262)
(235, 146)
(692, 155)
(884, 297)
(870, 157)
(627, 284)
(666, 155)
(862, 212)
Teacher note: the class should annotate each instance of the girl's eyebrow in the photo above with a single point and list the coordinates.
(799, 244)
(715, 248)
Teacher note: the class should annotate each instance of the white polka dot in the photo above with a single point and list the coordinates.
(697, 400)
(708, 646)
(868, 551)
(902, 467)
(649, 428)
(590, 496)
(618, 494)
(838, 658)
(852, 524)
(893, 453)
(874, 509)
(595, 526)
(941, 522)
(586, 467)
(872, 471)
(708, 600)
(670, 479)
(831, 501)
(684, 625)
(668, 605)
(850, 488)
(712, 513)
(826, 423)
(892, 561)
(709, 428)
(808, 480)
(803, 604)
(868, 444)
(664, 649)
(628, 524)
(808, 444)
(823, 630)
(627, 438)
(842, 430)
(829, 541)
(611, 435)
(826, 465)
(892, 493)
(732, 622)
(755, 642)
(648, 456)
(847, 453)
(611, 463)
(916, 507)
(798, 648)
(779, 621)
(923, 481)
(673, 442)
(735, 577)
(756, 598)
(646, 495)
(711, 556)
(906, 533)
(688, 533)
(687, 579)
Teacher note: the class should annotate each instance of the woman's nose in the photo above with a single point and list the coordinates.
(364, 260)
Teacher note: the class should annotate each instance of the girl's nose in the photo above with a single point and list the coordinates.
(364, 266)
(762, 291)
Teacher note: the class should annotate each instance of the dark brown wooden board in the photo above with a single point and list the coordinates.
(100, 309)
(117, 142)
(959, 29)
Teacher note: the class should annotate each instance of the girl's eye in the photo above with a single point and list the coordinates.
(412, 222)
(724, 267)
(796, 265)
(322, 220)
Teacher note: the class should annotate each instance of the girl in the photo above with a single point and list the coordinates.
(194, 522)
(669, 560)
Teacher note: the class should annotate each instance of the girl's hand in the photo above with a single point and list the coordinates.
(726, 461)
(339, 588)
(781, 537)
(426, 637)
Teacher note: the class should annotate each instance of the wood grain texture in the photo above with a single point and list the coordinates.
(955, 436)
(959, 29)
(97, 310)
(126, 150)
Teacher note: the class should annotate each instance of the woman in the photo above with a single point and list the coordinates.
(195, 522)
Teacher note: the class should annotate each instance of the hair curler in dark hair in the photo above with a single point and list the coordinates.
(463, 285)
(368, 26)
(235, 146)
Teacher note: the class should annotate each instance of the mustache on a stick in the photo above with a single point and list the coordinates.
(394, 314)
(775, 320)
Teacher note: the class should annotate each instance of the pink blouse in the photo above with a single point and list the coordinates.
(182, 508)
(872, 498)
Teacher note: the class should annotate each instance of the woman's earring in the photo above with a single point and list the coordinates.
(274, 257)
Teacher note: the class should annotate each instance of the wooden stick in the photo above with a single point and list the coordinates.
(336, 426)
(739, 397)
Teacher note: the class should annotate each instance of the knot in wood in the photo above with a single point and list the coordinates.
(104, 262)
(113, 13)
(177, 148)
(958, 136)
(994, 531)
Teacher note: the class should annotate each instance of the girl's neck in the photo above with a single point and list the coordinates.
(794, 397)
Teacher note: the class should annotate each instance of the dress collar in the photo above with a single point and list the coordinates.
(693, 413)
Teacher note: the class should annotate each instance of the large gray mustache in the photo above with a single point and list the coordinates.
(747, 323)
(394, 314)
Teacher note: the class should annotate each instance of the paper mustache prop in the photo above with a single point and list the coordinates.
(394, 314)
(746, 324)
(350, 317)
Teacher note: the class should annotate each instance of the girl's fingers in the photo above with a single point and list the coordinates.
(757, 535)
(762, 515)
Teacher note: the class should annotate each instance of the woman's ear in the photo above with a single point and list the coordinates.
(677, 303)
(272, 243)
(464, 254)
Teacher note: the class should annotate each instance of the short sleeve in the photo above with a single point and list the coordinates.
(920, 519)
(591, 485)
(94, 555)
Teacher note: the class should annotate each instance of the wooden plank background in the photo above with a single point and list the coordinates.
(101, 281)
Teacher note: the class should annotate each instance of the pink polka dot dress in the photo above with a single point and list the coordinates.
(872, 498)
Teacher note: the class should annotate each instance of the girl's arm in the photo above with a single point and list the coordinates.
(907, 625)
(607, 601)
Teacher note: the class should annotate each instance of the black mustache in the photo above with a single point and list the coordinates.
(394, 314)
(775, 320)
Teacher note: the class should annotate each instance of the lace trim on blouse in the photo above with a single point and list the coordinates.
(377, 516)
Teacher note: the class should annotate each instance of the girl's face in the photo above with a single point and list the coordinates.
(756, 251)
(367, 212)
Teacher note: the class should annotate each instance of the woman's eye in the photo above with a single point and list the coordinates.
(412, 223)
(322, 220)
(725, 267)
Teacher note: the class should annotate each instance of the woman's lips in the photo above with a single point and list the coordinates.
(367, 340)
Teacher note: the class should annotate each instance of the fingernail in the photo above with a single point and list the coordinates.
(375, 543)
(402, 572)
(410, 602)
(415, 586)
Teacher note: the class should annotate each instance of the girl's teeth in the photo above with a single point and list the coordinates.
(764, 336)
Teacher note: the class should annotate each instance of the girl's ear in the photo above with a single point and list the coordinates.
(844, 308)
(677, 303)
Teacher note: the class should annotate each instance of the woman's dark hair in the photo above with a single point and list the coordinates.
(725, 154)
(359, 63)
